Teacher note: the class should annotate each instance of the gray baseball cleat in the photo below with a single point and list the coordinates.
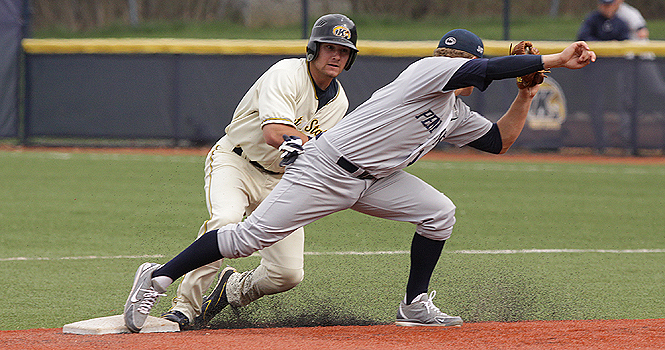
(216, 301)
(423, 312)
(142, 297)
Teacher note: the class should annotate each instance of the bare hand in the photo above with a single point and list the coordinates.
(575, 56)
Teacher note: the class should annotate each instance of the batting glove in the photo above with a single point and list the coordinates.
(291, 148)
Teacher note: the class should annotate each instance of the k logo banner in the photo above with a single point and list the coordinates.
(548, 108)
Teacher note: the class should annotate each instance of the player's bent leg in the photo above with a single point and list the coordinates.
(281, 269)
(244, 288)
(404, 197)
(189, 298)
(434, 215)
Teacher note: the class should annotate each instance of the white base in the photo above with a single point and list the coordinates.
(116, 324)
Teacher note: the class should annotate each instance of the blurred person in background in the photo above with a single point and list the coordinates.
(637, 25)
(603, 24)
(616, 20)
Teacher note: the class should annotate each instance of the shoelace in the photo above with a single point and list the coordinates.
(149, 298)
(430, 305)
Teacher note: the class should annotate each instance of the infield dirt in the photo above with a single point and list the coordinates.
(579, 335)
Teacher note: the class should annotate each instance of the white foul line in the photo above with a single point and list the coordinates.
(394, 252)
(360, 253)
(540, 251)
(489, 252)
(89, 257)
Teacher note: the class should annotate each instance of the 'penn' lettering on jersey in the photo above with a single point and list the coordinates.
(429, 120)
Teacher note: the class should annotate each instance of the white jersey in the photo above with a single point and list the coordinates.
(234, 187)
(284, 94)
(633, 19)
(412, 115)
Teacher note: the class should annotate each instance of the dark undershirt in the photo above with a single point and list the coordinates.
(325, 96)
(490, 142)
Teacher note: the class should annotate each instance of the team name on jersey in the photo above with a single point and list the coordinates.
(429, 120)
(312, 127)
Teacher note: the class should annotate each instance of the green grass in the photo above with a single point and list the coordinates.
(369, 28)
(58, 205)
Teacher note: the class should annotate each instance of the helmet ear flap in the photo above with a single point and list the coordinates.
(312, 50)
(352, 58)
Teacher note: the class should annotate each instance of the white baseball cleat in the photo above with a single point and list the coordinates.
(142, 297)
(423, 312)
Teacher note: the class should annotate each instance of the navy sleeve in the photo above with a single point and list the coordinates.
(513, 66)
(471, 73)
(481, 72)
(490, 142)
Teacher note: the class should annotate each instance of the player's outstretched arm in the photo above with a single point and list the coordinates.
(575, 56)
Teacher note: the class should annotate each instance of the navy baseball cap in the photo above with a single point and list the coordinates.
(606, 1)
(463, 40)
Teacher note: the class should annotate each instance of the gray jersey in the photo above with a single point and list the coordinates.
(407, 118)
(396, 126)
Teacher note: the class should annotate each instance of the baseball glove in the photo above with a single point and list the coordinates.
(532, 79)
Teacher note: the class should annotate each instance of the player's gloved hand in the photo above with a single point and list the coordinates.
(291, 148)
(532, 79)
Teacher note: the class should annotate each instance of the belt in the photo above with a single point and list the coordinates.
(353, 169)
(238, 151)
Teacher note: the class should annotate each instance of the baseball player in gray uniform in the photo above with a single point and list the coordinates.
(299, 97)
(359, 164)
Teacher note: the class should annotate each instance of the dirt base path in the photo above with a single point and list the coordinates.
(560, 335)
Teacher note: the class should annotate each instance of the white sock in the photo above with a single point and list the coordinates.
(160, 283)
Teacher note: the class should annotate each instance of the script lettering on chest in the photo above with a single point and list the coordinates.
(312, 127)
(429, 120)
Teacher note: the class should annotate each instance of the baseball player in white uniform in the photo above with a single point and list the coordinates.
(359, 164)
(296, 97)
